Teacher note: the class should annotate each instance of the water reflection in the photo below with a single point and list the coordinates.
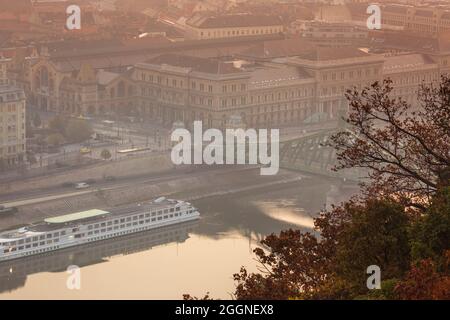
(267, 210)
(199, 257)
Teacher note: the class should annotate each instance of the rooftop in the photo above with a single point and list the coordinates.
(203, 65)
(233, 20)
(327, 53)
(406, 61)
(80, 218)
(76, 216)
(415, 43)
(276, 49)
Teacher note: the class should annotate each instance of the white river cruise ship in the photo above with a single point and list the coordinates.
(92, 225)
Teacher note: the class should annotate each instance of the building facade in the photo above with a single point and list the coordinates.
(269, 84)
(431, 21)
(4, 66)
(330, 34)
(12, 126)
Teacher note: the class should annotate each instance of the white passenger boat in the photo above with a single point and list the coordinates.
(93, 225)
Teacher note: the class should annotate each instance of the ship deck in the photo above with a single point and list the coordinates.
(81, 218)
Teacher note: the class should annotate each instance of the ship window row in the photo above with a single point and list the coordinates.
(42, 250)
(136, 218)
(35, 239)
(34, 245)
(116, 234)
(135, 223)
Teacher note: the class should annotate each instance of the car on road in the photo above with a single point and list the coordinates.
(7, 210)
(85, 150)
(81, 185)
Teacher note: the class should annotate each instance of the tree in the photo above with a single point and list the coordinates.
(105, 154)
(425, 282)
(407, 154)
(377, 234)
(405, 150)
(352, 237)
(55, 139)
(78, 130)
(58, 123)
(430, 234)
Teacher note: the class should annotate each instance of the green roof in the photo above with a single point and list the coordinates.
(76, 216)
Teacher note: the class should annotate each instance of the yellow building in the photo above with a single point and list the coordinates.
(4, 66)
(12, 126)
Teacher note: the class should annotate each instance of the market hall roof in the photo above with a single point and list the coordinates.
(203, 21)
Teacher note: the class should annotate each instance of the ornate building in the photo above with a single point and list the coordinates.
(431, 21)
(267, 84)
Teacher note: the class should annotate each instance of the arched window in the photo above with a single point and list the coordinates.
(44, 76)
(121, 89)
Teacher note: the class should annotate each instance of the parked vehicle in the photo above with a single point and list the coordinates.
(4, 211)
(82, 185)
(85, 150)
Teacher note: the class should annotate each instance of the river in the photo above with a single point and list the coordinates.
(193, 258)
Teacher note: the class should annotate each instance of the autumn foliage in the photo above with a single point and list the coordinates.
(401, 222)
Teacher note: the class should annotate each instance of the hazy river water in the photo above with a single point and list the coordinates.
(190, 258)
